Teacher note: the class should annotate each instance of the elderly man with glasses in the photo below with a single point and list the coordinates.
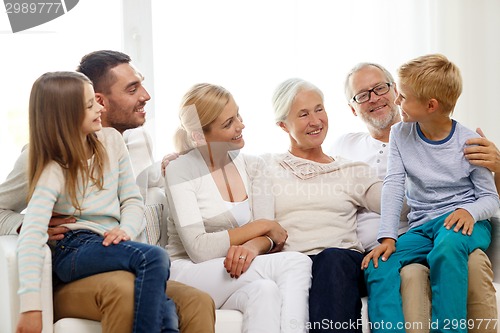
(371, 92)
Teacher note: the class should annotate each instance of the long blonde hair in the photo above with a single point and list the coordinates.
(200, 107)
(56, 113)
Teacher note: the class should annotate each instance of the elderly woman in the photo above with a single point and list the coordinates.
(316, 200)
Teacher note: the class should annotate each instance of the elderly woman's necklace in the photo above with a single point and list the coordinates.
(321, 159)
(226, 181)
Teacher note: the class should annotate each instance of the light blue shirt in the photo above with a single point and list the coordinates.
(439, 178)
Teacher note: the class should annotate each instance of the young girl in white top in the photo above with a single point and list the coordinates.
(222, 220)
(78, 169)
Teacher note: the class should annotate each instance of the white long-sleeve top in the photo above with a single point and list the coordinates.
(199, 218)
(13, 192)
(439, 178)
(119, 203)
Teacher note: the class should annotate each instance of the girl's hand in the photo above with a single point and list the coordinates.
(385, 249)
(462, 219)
(239, 258)
(115, 236)
(30, 322)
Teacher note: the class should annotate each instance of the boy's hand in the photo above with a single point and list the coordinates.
(115, 236)
(30, 322)
(462, 219)
(386, 248)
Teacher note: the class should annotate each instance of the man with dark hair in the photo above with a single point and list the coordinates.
(118, 87)
(107, 297)
(97, 67)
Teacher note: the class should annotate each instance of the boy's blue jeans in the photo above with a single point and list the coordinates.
(81, 254)
(446, 252)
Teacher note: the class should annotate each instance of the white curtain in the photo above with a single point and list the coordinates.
(57, 45)
(251, 46)
(468, 31)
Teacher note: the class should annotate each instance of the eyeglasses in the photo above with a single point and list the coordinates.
(378, 90)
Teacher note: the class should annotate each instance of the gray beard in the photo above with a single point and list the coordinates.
(380, 123)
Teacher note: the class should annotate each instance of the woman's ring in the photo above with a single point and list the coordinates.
(243, 257)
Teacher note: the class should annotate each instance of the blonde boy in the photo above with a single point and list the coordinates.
(449, 199)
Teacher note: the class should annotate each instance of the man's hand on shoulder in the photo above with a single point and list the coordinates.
(483, 152)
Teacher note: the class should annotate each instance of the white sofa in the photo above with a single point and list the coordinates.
(227, 321)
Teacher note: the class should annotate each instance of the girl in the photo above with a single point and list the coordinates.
(221, 220)
(78, 169)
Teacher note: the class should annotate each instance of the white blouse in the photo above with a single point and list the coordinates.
(240, 210)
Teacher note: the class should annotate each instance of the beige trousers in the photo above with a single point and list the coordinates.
(482, 312)
(109, 298)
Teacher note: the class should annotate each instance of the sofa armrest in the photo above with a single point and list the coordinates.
(156, 195)
(493, 251)
(9, 284)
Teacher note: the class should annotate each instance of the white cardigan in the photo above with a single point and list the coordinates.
(199, 218)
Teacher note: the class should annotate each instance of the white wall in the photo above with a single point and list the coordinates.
(55, 45)
(251, 46)
(138, 44)
(469, 34)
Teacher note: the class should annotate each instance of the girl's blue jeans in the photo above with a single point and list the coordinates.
(446, 252)
(81, 254)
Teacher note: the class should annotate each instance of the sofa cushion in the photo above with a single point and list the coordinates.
(493, 251)
(152, 219)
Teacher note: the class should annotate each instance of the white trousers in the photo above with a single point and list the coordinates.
(272, 294)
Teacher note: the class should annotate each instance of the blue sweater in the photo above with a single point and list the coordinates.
(439, 179)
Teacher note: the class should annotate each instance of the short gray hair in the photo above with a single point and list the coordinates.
(360, 66)
(285, 94)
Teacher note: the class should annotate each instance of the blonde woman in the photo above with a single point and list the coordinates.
(223, 238)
